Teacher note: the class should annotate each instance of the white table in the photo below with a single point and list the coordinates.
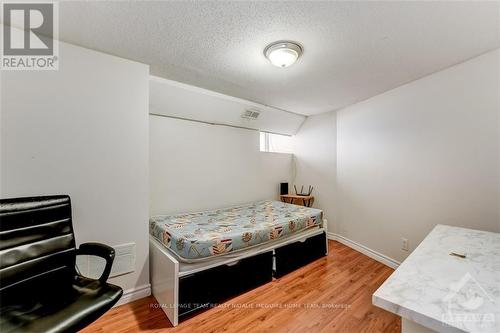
(435, 291)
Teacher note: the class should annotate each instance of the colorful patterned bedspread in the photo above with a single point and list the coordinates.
(213, 233)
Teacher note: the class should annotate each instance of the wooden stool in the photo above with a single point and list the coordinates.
(304, 200)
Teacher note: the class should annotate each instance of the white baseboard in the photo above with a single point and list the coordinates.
(134, 294)
(145, 291)
(365, 250)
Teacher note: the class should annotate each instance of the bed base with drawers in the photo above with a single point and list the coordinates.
(183, 290)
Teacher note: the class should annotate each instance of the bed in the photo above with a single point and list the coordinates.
(198, 260)
(199, 236)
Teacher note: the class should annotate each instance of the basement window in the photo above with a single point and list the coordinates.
(275, 143)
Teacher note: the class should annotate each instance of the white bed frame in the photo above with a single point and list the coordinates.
(165, 269)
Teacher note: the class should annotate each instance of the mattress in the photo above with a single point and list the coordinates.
(197, 236)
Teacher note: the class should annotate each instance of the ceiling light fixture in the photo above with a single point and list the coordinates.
(283, 53)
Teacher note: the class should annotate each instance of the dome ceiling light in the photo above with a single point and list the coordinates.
(283, 53)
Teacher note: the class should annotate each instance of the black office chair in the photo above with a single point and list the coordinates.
(40, 289)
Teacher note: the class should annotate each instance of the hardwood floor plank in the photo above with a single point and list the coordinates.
(332, 294)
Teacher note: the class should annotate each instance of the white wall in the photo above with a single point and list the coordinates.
(180, 100)
(421, 154)
(316, 161)
(83, 131)
(196, 166)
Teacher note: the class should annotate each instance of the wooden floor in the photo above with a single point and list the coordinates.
(333, 294)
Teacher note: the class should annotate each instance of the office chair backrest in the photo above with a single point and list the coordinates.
(37, 243)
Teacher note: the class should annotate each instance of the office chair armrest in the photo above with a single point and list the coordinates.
(100, 250)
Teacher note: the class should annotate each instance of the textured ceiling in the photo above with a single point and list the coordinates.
(353, 50)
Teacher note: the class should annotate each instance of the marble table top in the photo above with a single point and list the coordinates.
(448, 293)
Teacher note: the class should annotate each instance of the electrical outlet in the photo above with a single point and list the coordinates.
(404, 244)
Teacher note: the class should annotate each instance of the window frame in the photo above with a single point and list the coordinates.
(266, 137)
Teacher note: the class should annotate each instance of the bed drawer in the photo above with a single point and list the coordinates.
(207, 288)
(295, 255)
